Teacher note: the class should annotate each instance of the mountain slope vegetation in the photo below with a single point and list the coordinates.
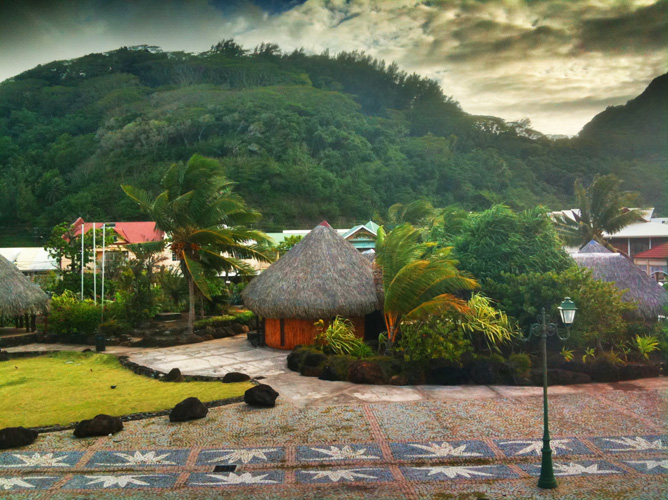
(306, 137)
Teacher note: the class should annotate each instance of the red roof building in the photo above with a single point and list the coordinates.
(128, 232)
(654, 262)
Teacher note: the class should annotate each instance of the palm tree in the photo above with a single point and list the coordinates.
(204, 222)
(418, 278)
(602, 210)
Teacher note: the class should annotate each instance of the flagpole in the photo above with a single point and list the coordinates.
(104, 239)
(83, 227)
(94, 267)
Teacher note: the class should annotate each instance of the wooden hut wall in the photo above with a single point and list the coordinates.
(288, 333)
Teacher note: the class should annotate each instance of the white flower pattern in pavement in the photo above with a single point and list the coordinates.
(116, 481)
(232, 478)
(11, 482)
(536, 445)
(39, 460)
(244, 456)
(344, 453)
(650, 464)
(139, 458)
(435, 450)
(454, 471)
(336, 475)
(636, 444)
(573, 469)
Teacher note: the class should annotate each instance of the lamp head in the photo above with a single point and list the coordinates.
(567, 311)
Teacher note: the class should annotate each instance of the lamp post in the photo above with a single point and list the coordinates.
(543, 330)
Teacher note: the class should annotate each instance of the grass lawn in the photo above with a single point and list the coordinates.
(70, 386)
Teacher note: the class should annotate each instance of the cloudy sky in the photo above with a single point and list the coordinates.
(556, 62)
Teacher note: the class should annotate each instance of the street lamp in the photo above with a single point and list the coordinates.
(543, 329)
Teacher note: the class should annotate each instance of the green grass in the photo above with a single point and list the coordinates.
(69, 386)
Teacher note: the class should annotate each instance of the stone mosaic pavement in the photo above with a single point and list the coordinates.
(609, 443)
(340, 440)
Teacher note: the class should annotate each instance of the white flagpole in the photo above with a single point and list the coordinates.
(104, 239)
(83, 226)
(94, 267)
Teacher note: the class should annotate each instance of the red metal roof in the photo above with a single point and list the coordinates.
(131, 232)
(660, 252)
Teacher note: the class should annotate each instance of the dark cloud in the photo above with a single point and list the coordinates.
(639, 30)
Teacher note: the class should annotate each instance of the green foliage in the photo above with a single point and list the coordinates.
(339, 338)
(135, 285)
(286, 245)
(520, 364)
(589, 354)
(216, 321)
(646, 344)
(114, 328)
(306, 137)
(500, 240)
(603, 209)
(68, 315)
(482, 318)
(340, 365)
(434, 338)
(418, 278)
(204, 221)
(245, 317)
(567, 354)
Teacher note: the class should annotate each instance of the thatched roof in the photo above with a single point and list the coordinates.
(320, 277)
(614, 267)
(18, 295)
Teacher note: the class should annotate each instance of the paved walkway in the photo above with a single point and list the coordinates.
(340, 440)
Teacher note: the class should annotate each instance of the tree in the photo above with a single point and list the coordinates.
(602, 210)
(204, 222)
(418, 279)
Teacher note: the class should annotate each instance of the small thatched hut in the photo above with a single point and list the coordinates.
(321, 277)
(19, 295)
(614, 267)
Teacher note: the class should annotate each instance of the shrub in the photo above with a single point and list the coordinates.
(520, 364)
(646, 344)
(340, 365)
(339, 338)
(437, 337)
(114, 328)
(244, 318)
(69, 315)
(216, 322)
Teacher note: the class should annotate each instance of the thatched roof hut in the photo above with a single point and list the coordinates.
(614, 267)
(19, 295)
(321, 277)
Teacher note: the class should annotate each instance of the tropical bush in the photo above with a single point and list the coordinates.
(339, 338)
(69, 315)
(438, 337)
(225, 320)
(646, 345)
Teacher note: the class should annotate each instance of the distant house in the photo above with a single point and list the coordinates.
(654, 262)
(634, 238)
(125, 233)
(362, 237)
(31, 261)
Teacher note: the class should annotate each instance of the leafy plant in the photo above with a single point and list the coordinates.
(482, 318)
(590, 353)
(566, 354)
(69, 315)
(418, 278)
(646, 344)
(339, 337)
(520, 363)
(437, 337)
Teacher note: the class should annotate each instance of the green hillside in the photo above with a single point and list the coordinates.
(305, 138)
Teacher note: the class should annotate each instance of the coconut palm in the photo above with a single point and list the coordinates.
(418, 278)
(602, 210)
(204, 222)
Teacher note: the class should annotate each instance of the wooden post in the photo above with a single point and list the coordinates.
(26, 320)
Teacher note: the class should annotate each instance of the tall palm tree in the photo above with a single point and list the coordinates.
(418, 278)
(204, 222)
(602, 210)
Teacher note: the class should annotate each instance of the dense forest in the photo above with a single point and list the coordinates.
(306, 137)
